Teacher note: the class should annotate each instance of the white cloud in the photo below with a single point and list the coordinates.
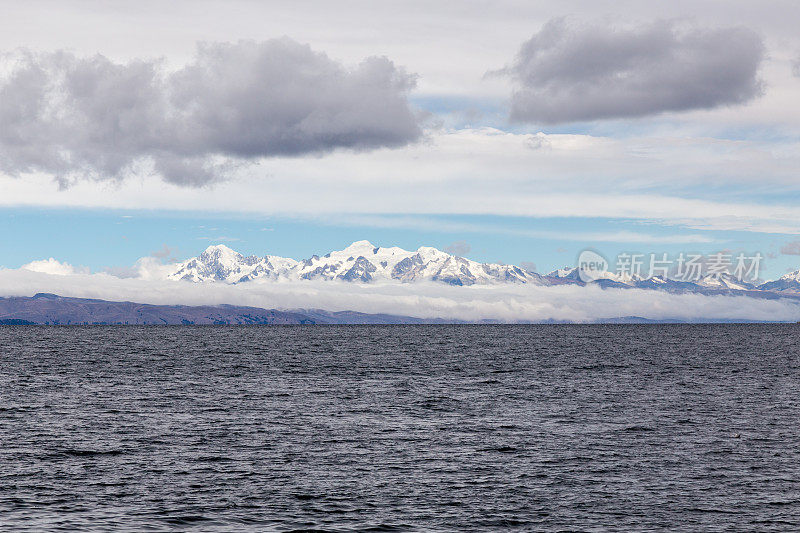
(669, 170)
(54, 267)
(505, 303)
(149, 268)
(426, 223)
(486, 171)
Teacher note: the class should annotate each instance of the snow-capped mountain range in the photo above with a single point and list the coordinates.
(363, 262)
(360, 262)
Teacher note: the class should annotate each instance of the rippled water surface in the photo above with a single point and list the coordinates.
(400, 428)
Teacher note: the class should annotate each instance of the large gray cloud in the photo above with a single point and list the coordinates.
(76, 117)
(571, 72)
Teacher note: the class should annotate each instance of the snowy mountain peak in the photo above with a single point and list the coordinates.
(431, 251)
(361, 248)
(791, 276)
(217, 263)
(222, 254)
(724, 281)
(566, 272)
(222, 249)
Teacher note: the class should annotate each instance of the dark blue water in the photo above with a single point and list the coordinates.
(591, 428)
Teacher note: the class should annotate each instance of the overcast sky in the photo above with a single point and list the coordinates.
(524, 130)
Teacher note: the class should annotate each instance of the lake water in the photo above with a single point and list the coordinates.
(351, 428)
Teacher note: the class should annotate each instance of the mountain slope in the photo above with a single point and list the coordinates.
(789, 283)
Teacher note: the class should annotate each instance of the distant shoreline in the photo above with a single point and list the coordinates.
(45, 309)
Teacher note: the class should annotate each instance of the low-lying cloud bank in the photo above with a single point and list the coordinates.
(509, 303)
(73, 117)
